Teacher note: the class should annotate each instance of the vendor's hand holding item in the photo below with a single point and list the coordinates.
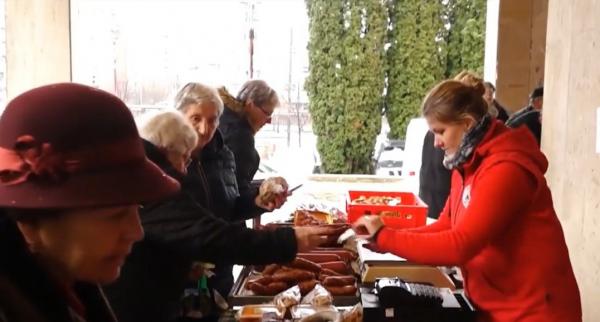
(370, 224)
(272, 193)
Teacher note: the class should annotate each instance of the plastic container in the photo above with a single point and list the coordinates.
(259, 313)
(409, 212)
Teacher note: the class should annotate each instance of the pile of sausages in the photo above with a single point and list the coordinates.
(328, 266)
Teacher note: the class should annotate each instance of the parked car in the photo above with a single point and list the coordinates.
(390, 162)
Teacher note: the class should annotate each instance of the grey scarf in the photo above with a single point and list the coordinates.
(469, 143)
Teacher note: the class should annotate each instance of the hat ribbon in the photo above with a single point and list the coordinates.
(30, 157)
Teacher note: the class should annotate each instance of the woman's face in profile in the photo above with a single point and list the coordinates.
(180, 161)
(86, 244)
(448, 135)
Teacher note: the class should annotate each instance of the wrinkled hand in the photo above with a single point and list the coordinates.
(310, 237)
(372, 224)
(275, 203)
(272, 194)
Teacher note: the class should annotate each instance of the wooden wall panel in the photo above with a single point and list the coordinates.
(521, 50)
(38, 49)
(571, 97)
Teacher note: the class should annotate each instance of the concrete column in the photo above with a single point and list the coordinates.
(571, 99)
(521, 49)
(38, 47)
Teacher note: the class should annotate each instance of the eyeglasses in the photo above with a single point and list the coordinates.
(267, 114)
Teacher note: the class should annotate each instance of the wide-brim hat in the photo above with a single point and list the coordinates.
(69, 145)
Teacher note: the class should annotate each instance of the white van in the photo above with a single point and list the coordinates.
(413, 150)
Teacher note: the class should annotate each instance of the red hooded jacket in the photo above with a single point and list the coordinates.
(500, 228)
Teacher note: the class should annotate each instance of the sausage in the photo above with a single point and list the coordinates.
(339, 267)
(319, 257)
(264, 280)
(270, 289)
(257, 288)
(307, 286)
(339, 280)
(277, 287)
(342, 290)
(293, 276)
(305, 264)
(329, 272)
(270, 269)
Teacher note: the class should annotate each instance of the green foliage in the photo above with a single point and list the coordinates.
(350, 68)
(346, 81)
(416, 58)
(466, 36)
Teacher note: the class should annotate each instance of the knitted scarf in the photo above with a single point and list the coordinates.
(469, 143)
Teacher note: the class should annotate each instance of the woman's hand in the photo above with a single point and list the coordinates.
(369, 223)
(272, 194)
(310, 237)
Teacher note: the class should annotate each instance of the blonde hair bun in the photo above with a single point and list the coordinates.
(472, 80)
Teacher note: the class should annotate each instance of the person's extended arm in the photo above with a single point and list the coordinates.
(501, 195)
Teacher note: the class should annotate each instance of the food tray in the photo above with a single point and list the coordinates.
(411, 212)
(240, 296)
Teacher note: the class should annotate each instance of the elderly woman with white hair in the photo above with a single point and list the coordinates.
(171, 135)
(192, 226)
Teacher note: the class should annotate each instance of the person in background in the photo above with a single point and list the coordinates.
(490, 98)
(499, 224)
(244, 115)
(72, 173)
(531, 115)
(434, 181)
(212, 173)
(169, 140)
(183, 229)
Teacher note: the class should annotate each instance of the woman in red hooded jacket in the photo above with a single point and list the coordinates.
(498, 225)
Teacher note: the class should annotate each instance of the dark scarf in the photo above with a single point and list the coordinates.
(469, 143)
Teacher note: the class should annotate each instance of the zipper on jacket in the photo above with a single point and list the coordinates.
(206, 186)
(462, 188)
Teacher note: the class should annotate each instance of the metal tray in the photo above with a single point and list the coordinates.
(240, 296)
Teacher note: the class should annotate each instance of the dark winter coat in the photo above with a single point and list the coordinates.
(529, 117)
(226, 200)
(239, 137)
(502, 114)
(434, 183)
(178, 232)
(27, 294)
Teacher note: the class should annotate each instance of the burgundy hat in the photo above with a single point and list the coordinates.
(69, 145)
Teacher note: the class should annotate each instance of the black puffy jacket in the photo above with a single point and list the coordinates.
(217, 170)
(239, 137)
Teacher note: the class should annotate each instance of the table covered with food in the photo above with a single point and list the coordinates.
(345, 279)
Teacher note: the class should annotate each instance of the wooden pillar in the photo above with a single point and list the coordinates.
(571, 99)
(521, 50)
(38, 47)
